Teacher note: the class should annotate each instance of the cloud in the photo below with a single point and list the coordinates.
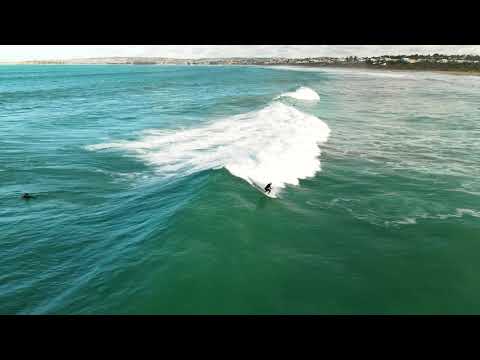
(40, 52)
(302, 50)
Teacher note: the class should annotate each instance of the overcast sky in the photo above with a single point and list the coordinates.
(42, 52)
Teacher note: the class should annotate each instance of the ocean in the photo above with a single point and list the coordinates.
(147, 185)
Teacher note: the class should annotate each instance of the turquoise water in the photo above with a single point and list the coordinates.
(145, 201)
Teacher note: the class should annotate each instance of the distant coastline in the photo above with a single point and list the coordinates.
(454, 64)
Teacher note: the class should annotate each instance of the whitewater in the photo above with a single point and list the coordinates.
(277, 144)
(302, 93)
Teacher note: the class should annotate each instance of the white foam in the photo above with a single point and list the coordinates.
(277, 144)
(406, 221)
(302, 93)
(347, 71)
(459, 213)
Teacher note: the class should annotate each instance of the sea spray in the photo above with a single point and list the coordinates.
(277, 144)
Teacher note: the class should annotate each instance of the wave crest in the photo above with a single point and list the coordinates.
(302, 93)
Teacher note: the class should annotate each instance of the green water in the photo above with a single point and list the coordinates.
(136, 211)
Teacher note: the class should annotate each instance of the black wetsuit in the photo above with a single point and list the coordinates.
(268, 188)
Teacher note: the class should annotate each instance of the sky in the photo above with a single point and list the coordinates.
(51, 52)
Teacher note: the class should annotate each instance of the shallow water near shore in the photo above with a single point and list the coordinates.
(145, 177)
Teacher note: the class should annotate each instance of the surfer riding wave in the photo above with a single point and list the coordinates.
(277, 143)
(268, 188)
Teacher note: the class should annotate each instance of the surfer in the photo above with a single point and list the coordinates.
(27, 196)
(268, 188)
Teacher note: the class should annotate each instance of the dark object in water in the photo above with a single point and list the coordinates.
(27, 196)
(268, 188)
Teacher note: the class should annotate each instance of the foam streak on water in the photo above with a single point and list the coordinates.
(277, 144)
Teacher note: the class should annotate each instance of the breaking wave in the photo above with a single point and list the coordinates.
(277, 144)
(302, 93)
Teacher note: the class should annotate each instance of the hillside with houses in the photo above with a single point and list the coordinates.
(461, 63)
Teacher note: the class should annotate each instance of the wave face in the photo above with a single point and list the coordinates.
(277, 144)
(302, 93)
